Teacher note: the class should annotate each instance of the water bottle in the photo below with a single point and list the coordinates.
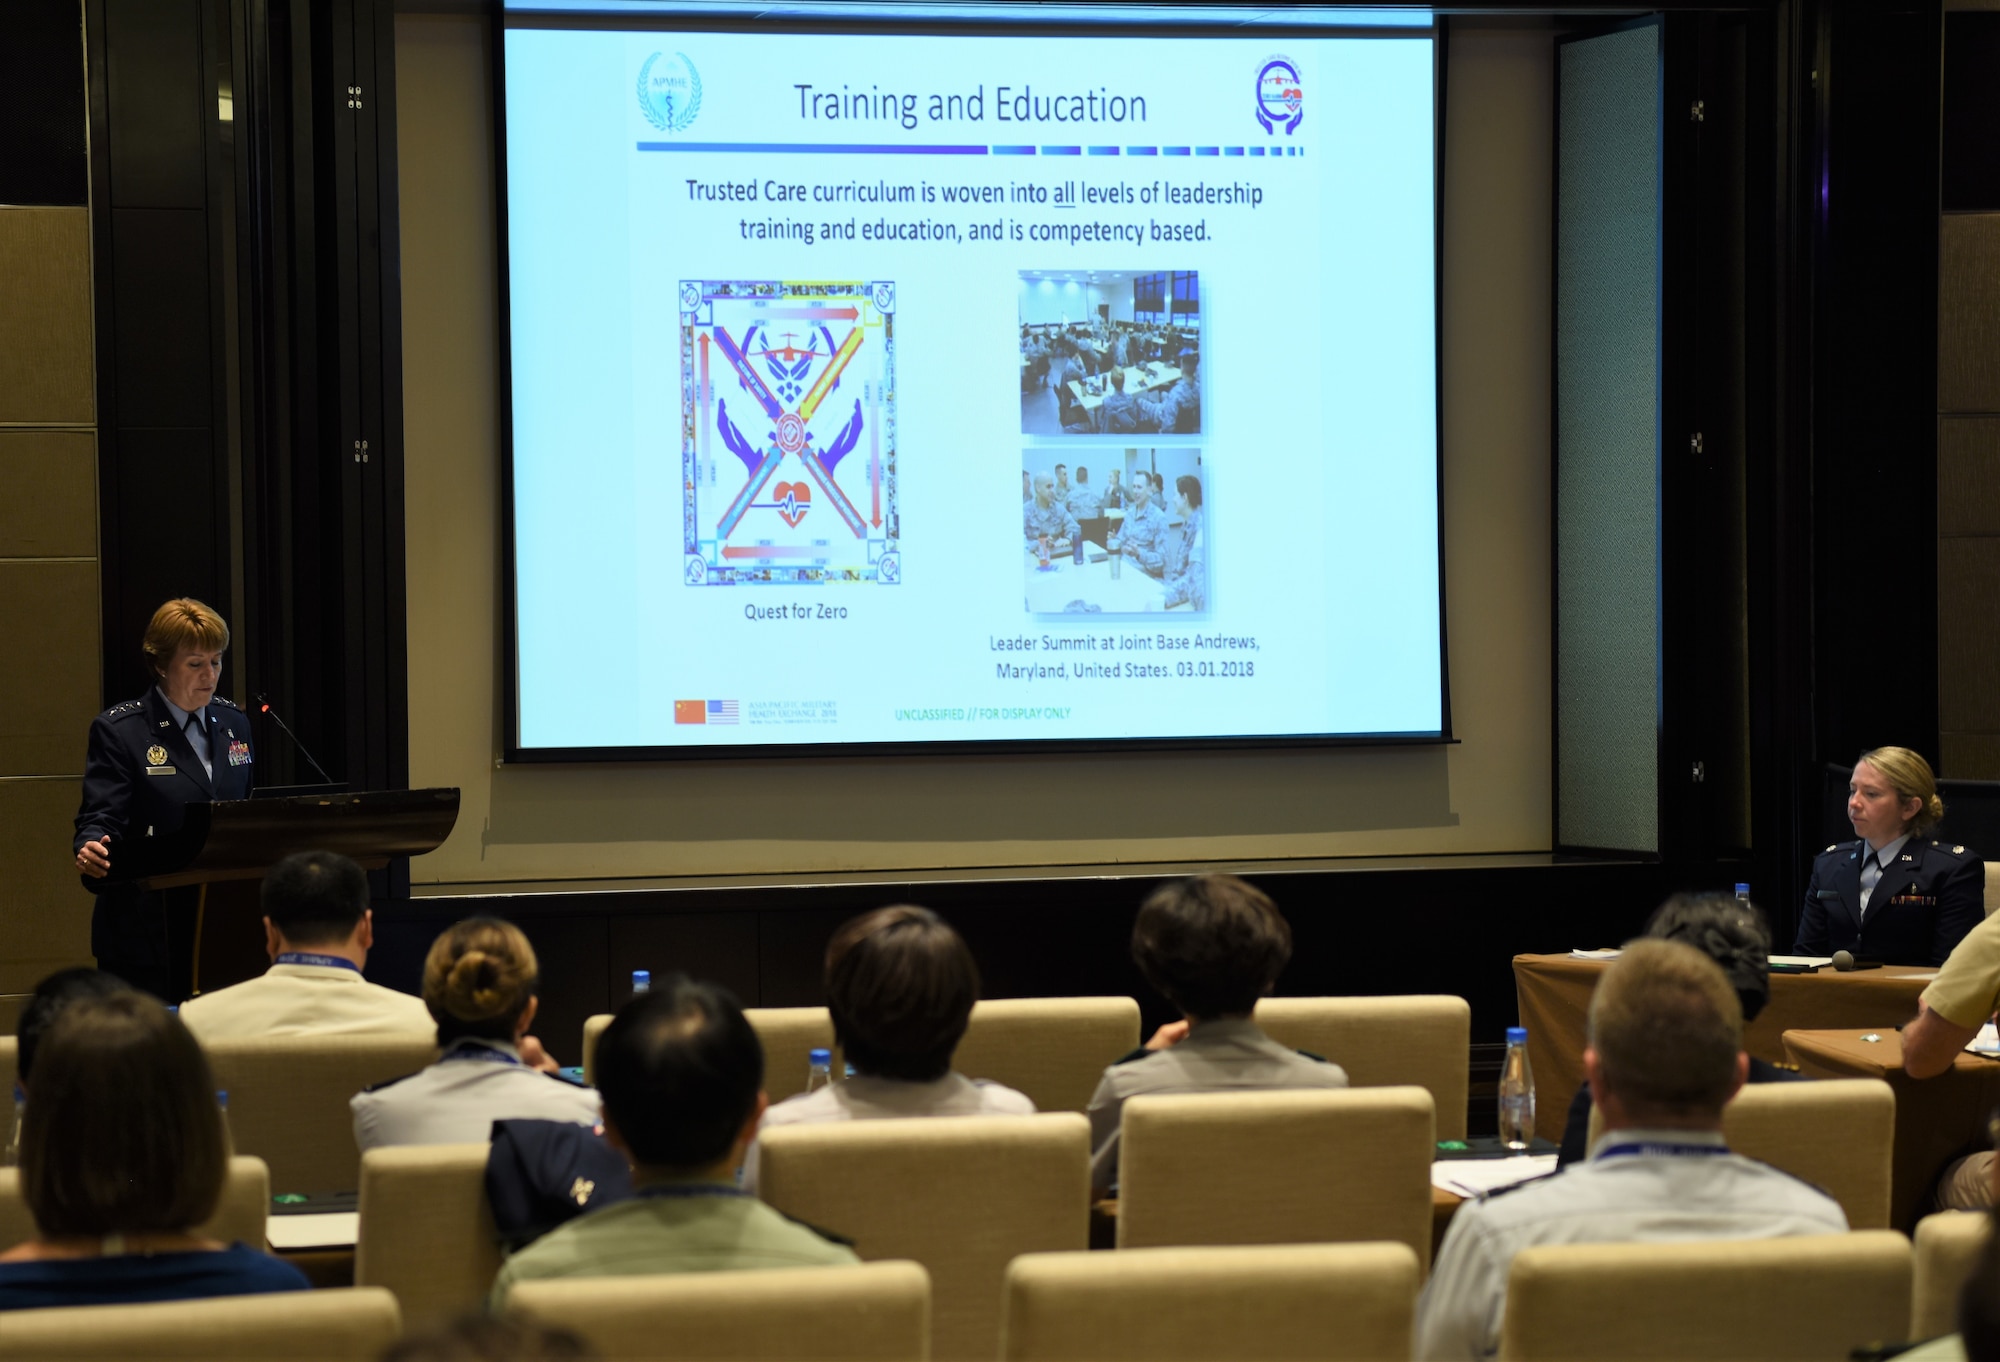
(222, 1105)
(1517, 1092)
(819, 1069)
(1743, 893)
(642, 981)
(20, 1114)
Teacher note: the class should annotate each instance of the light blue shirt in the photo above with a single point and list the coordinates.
(1871, 873)
(197, 735)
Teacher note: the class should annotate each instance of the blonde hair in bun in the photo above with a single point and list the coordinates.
(1909, 775)
(479, 976)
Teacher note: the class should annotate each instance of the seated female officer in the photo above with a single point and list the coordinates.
(479, 983)
(123, 1154)
(1894, 895)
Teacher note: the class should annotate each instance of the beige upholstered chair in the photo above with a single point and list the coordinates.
(288, 1100)
(246, 1201)
(1306, 1167)
(338, 1324)
(1052, 1049)
(1272, 1304)
(1947, 1245)
(961, 1196)
(1425, 1039)
(1813, 1297)
(788, 1034)
(426, 1231)
(1992, 891)
(1835, 1133)
(878, 1312)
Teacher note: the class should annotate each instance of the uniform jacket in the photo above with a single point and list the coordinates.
(1928, 898)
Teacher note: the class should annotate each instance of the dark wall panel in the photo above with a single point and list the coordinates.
(1971, 124)
(41, 105)
(160, 274)
(154, 82)
(166, 538)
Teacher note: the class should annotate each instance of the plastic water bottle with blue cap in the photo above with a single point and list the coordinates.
(642, 981)
(1517, 1092)
(819, 1069)
(1743, 893)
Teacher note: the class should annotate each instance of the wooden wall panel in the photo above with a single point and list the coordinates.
(47, 375)
(1968, 475)
(50, 510)
(50, 609)
(44, 911)
(1969, 312)
(1968, 645)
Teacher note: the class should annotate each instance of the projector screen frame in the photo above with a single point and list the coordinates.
(504, 18)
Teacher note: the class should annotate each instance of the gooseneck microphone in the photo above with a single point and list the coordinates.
(1847, 962)
(264, 707)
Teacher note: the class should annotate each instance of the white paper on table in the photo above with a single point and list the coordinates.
(1987, 1042)
(315, 1230)
(1611, 954)
(1472, 1177)
(1815, 961)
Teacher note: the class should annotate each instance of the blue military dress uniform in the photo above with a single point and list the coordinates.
(1930, 895)
(138, 778)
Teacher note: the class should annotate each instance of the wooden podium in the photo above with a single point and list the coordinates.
(223, 850)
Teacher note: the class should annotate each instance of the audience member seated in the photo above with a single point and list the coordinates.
(1949, 1014)
(1665, 1056)
(900, 984)
(317, 930)
(1978, 1336)
(123, 1152)
(1735, 936)
(51, 998)
(479, 984)
(682, 1076)
(1213, 946)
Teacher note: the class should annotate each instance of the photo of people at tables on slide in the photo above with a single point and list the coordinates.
(1110, 352)
(1114, 531)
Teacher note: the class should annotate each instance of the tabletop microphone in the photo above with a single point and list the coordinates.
(1847, 962)
(264, 707)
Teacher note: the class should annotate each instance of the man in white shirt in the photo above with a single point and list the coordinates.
(900, 984)
(1665, 1056)
(318, 930)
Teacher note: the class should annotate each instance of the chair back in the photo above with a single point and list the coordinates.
(1990, 893)
(1425, 1039)
(342, 1324)
(1815, 1296)
(1947, 1245)
(288, 1100)
(1250, 1304)
(1837, 1134)
(962, 1196)
(427, 1233)
(877, 1312)
(1291, 1167)
(789, 1035)
(239, 1215)
(1053, 1049)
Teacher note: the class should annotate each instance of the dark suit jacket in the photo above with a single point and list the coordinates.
(128, 795)
(1928, 898)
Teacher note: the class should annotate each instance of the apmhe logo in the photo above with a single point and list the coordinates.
(669, 92)
(1280, 95)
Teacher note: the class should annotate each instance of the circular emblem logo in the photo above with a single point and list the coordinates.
(669, 91)
(156, 756)
(1280, 95)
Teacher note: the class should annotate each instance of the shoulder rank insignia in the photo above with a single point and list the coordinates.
(156, 755)
(224, 702)
(1958, 851)
(1834, 847)
(120, 710)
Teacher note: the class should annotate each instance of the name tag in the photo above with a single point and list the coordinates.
(159, 770)
(239, 754)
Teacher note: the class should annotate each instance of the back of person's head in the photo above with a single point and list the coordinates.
(900, 984)
(1979, 1299)
(122, 1134)
(1212, 944)
(315, 898)
(1667, 1029)
(1727, 930)
(478, 978)
(51, 997)
(679, 1070)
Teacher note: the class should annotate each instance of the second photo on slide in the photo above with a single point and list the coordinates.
(1123, 534)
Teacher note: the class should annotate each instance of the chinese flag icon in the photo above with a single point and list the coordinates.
(690, 711)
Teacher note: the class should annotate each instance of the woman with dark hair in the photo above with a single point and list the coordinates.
(1730, 932)
(479, 983)
(123, 1155)
(1186, 554)
(900, 984)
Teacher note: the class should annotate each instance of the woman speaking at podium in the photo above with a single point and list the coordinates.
(1896, 895)
(178, 744)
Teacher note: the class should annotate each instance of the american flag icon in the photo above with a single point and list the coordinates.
(722, 712)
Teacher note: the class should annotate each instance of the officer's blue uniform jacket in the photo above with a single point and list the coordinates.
(1930, 895)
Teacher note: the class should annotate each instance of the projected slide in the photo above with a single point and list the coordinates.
(790, 313)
